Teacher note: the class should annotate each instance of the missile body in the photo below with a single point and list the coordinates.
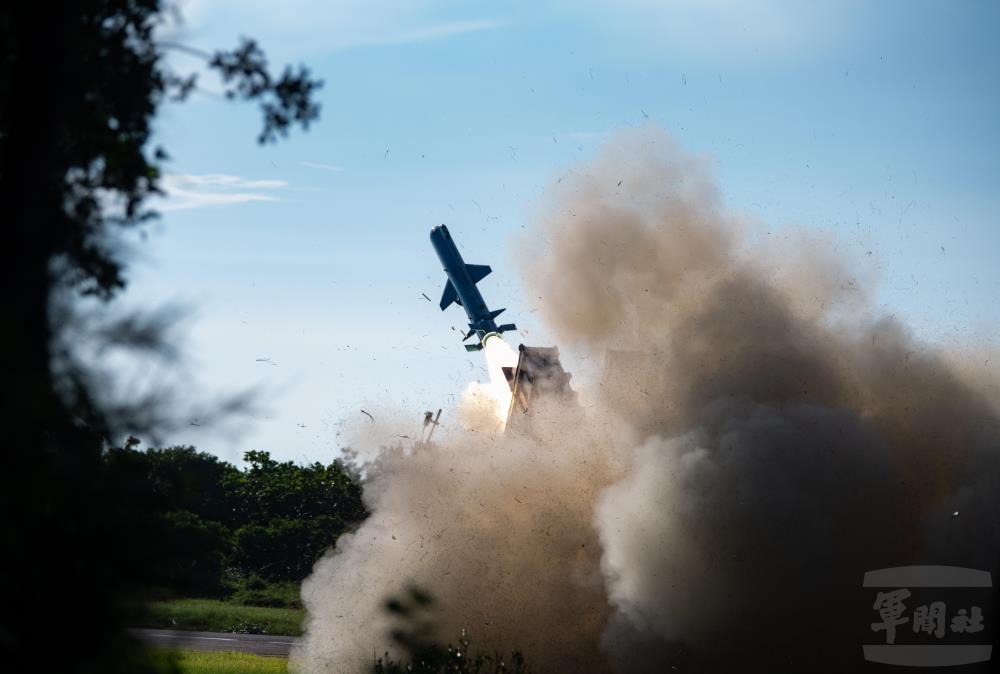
(461, 289)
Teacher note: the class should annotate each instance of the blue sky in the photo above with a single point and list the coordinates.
(874, 121)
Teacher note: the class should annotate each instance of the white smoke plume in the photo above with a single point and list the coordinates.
(761, 437)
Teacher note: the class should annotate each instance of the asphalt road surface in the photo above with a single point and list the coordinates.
(260, 644)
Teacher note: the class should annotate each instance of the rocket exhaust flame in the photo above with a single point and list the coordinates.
(499, 355)
(484, 406)
(761, 439)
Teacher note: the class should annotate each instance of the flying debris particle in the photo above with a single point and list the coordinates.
(369, 416)
(195, 423)
(591, 71)
(644, 113)
(386, 156)
(620, 183)
(266, 360)
(954, 514)
(513, 152)
(684, 79)
(407, 437)
(426, 297)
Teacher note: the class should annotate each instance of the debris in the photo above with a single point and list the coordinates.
(369, 416)
(620, 183)
(954, 514)
(265, 360)
(426, 297)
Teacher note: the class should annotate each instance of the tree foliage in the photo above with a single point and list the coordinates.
(80, 83)
(204, 523)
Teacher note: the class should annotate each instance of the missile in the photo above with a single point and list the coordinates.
(461, 289)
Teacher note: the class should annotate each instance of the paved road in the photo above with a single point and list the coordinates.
(261, 644)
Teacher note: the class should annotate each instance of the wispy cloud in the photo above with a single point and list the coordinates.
(310, 26)
(185, 191)
(431, 31)
(322, 167)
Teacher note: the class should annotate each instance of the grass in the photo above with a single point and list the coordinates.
(211, 615)
(191, 662)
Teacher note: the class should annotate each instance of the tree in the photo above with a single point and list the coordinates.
(286, 516)
(80, 83)
(176, 503)
(190, 514)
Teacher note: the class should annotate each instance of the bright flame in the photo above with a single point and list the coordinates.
(499, 355)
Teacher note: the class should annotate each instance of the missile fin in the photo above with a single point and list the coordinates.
(494, 314)
(449, 296)
(477, 272)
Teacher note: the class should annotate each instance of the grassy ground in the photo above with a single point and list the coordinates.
(191, 662)
(220, 616)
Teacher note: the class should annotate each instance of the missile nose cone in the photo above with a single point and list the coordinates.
(439, 232)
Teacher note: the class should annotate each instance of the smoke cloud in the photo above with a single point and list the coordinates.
(760, 437)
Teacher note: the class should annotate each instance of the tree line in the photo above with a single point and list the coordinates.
(200, 526)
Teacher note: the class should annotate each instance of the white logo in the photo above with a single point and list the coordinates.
(934, 619)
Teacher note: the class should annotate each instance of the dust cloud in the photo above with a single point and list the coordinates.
(760, 437)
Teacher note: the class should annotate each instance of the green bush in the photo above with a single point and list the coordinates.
(284, 549)
(460, 659)
(255, 591)
(413, 614)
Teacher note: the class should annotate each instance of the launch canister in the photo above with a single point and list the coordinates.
(461, 289)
